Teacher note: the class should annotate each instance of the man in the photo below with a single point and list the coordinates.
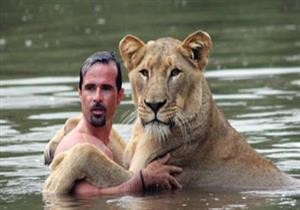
(100, 91)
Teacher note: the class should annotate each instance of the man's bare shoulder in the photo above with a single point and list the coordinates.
(77, 137)
(69, 141)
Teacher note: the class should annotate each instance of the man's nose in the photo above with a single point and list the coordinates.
(98, 95)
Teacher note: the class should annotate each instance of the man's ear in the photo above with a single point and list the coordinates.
(198, 44)
(79, 91)
(121, 94)
(132, 50)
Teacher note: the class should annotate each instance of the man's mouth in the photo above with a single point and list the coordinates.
(98, 109)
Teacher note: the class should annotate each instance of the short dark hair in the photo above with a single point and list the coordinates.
(100, 57)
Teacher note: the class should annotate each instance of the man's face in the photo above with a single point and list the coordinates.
(99, 95)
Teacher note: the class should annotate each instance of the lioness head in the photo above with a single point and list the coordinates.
(166, 76)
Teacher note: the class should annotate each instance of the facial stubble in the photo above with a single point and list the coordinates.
(98, 120)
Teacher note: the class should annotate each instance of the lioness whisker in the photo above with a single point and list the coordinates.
(132, 118)
(158, 132)
(128, 117)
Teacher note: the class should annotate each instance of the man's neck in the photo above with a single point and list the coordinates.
(101, 133)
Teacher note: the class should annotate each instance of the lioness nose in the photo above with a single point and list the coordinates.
(156, 105)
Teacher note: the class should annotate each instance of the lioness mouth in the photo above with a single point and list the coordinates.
(156, 121)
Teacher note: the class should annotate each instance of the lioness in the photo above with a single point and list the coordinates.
(177, 115)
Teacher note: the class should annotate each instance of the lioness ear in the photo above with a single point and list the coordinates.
(132, 50)
(199, 45)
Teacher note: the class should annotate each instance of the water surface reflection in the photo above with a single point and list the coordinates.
(263, 104)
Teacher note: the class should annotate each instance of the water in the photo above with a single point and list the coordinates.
(253, 71)
(263, 104)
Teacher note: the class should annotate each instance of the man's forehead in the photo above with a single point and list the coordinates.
(101, 73)
(110, 66)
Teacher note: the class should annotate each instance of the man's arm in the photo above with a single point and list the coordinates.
(84, 188)
(156, 173)
(86, 162)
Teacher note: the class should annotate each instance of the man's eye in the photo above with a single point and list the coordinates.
(89, 87)
(107, 87)
(175, 72)
(144, 72)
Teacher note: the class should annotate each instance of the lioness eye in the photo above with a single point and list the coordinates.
(144, 72)
(175, 72)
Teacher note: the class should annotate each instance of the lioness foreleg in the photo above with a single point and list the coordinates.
(141, 154)
(83, 161)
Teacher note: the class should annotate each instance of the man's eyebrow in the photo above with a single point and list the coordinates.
(107, 85)
(89, 84)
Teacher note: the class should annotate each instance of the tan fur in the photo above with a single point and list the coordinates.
(83, 161)
(190, 126)
(211, 152)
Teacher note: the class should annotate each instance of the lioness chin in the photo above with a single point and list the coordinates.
(177, 115)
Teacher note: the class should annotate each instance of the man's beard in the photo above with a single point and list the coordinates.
(98, 120)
